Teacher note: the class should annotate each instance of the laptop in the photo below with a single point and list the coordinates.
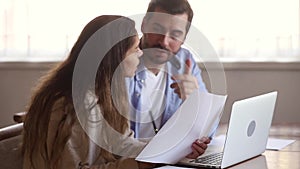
(247, 133)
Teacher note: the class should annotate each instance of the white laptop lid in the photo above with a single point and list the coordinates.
(248, 128)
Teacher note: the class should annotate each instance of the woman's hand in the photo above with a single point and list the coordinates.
(199, 146)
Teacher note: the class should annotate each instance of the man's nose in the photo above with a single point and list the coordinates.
(164, 40)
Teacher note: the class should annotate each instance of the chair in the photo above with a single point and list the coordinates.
(11, 131)
(10, 146)
(19, 117)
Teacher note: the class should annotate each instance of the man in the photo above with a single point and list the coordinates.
(167, 73)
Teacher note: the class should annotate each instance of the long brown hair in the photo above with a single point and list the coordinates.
(58, 84)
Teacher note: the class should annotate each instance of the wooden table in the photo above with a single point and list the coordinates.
(287, 158)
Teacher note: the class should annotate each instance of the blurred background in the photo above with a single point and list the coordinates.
(257, 43)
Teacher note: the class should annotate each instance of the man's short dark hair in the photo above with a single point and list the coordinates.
(173, 7)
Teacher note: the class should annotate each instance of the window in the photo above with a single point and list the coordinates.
(238, 30)
(250, 29)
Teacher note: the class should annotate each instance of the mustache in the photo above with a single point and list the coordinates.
(173, 60)
(158, 46)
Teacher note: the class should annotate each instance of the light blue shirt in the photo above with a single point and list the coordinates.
(172, 102)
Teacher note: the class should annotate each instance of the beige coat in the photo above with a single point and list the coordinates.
(82, 151)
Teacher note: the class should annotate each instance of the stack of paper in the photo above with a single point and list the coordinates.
(194, 119)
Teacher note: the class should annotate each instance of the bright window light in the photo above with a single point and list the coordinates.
(248, 30)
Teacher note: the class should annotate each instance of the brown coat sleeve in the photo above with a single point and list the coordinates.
(80, 152)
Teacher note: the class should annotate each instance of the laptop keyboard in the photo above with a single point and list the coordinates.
(212, 159)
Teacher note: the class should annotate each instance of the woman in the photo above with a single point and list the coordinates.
(74, 119)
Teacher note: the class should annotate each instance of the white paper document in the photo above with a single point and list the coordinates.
(278, 144)
(194, 119)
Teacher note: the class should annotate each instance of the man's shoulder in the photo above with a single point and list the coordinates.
(184, 54)
(184, 51)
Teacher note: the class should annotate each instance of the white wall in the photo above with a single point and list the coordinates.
(250, 79)
(17, 81)
(243, 80)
